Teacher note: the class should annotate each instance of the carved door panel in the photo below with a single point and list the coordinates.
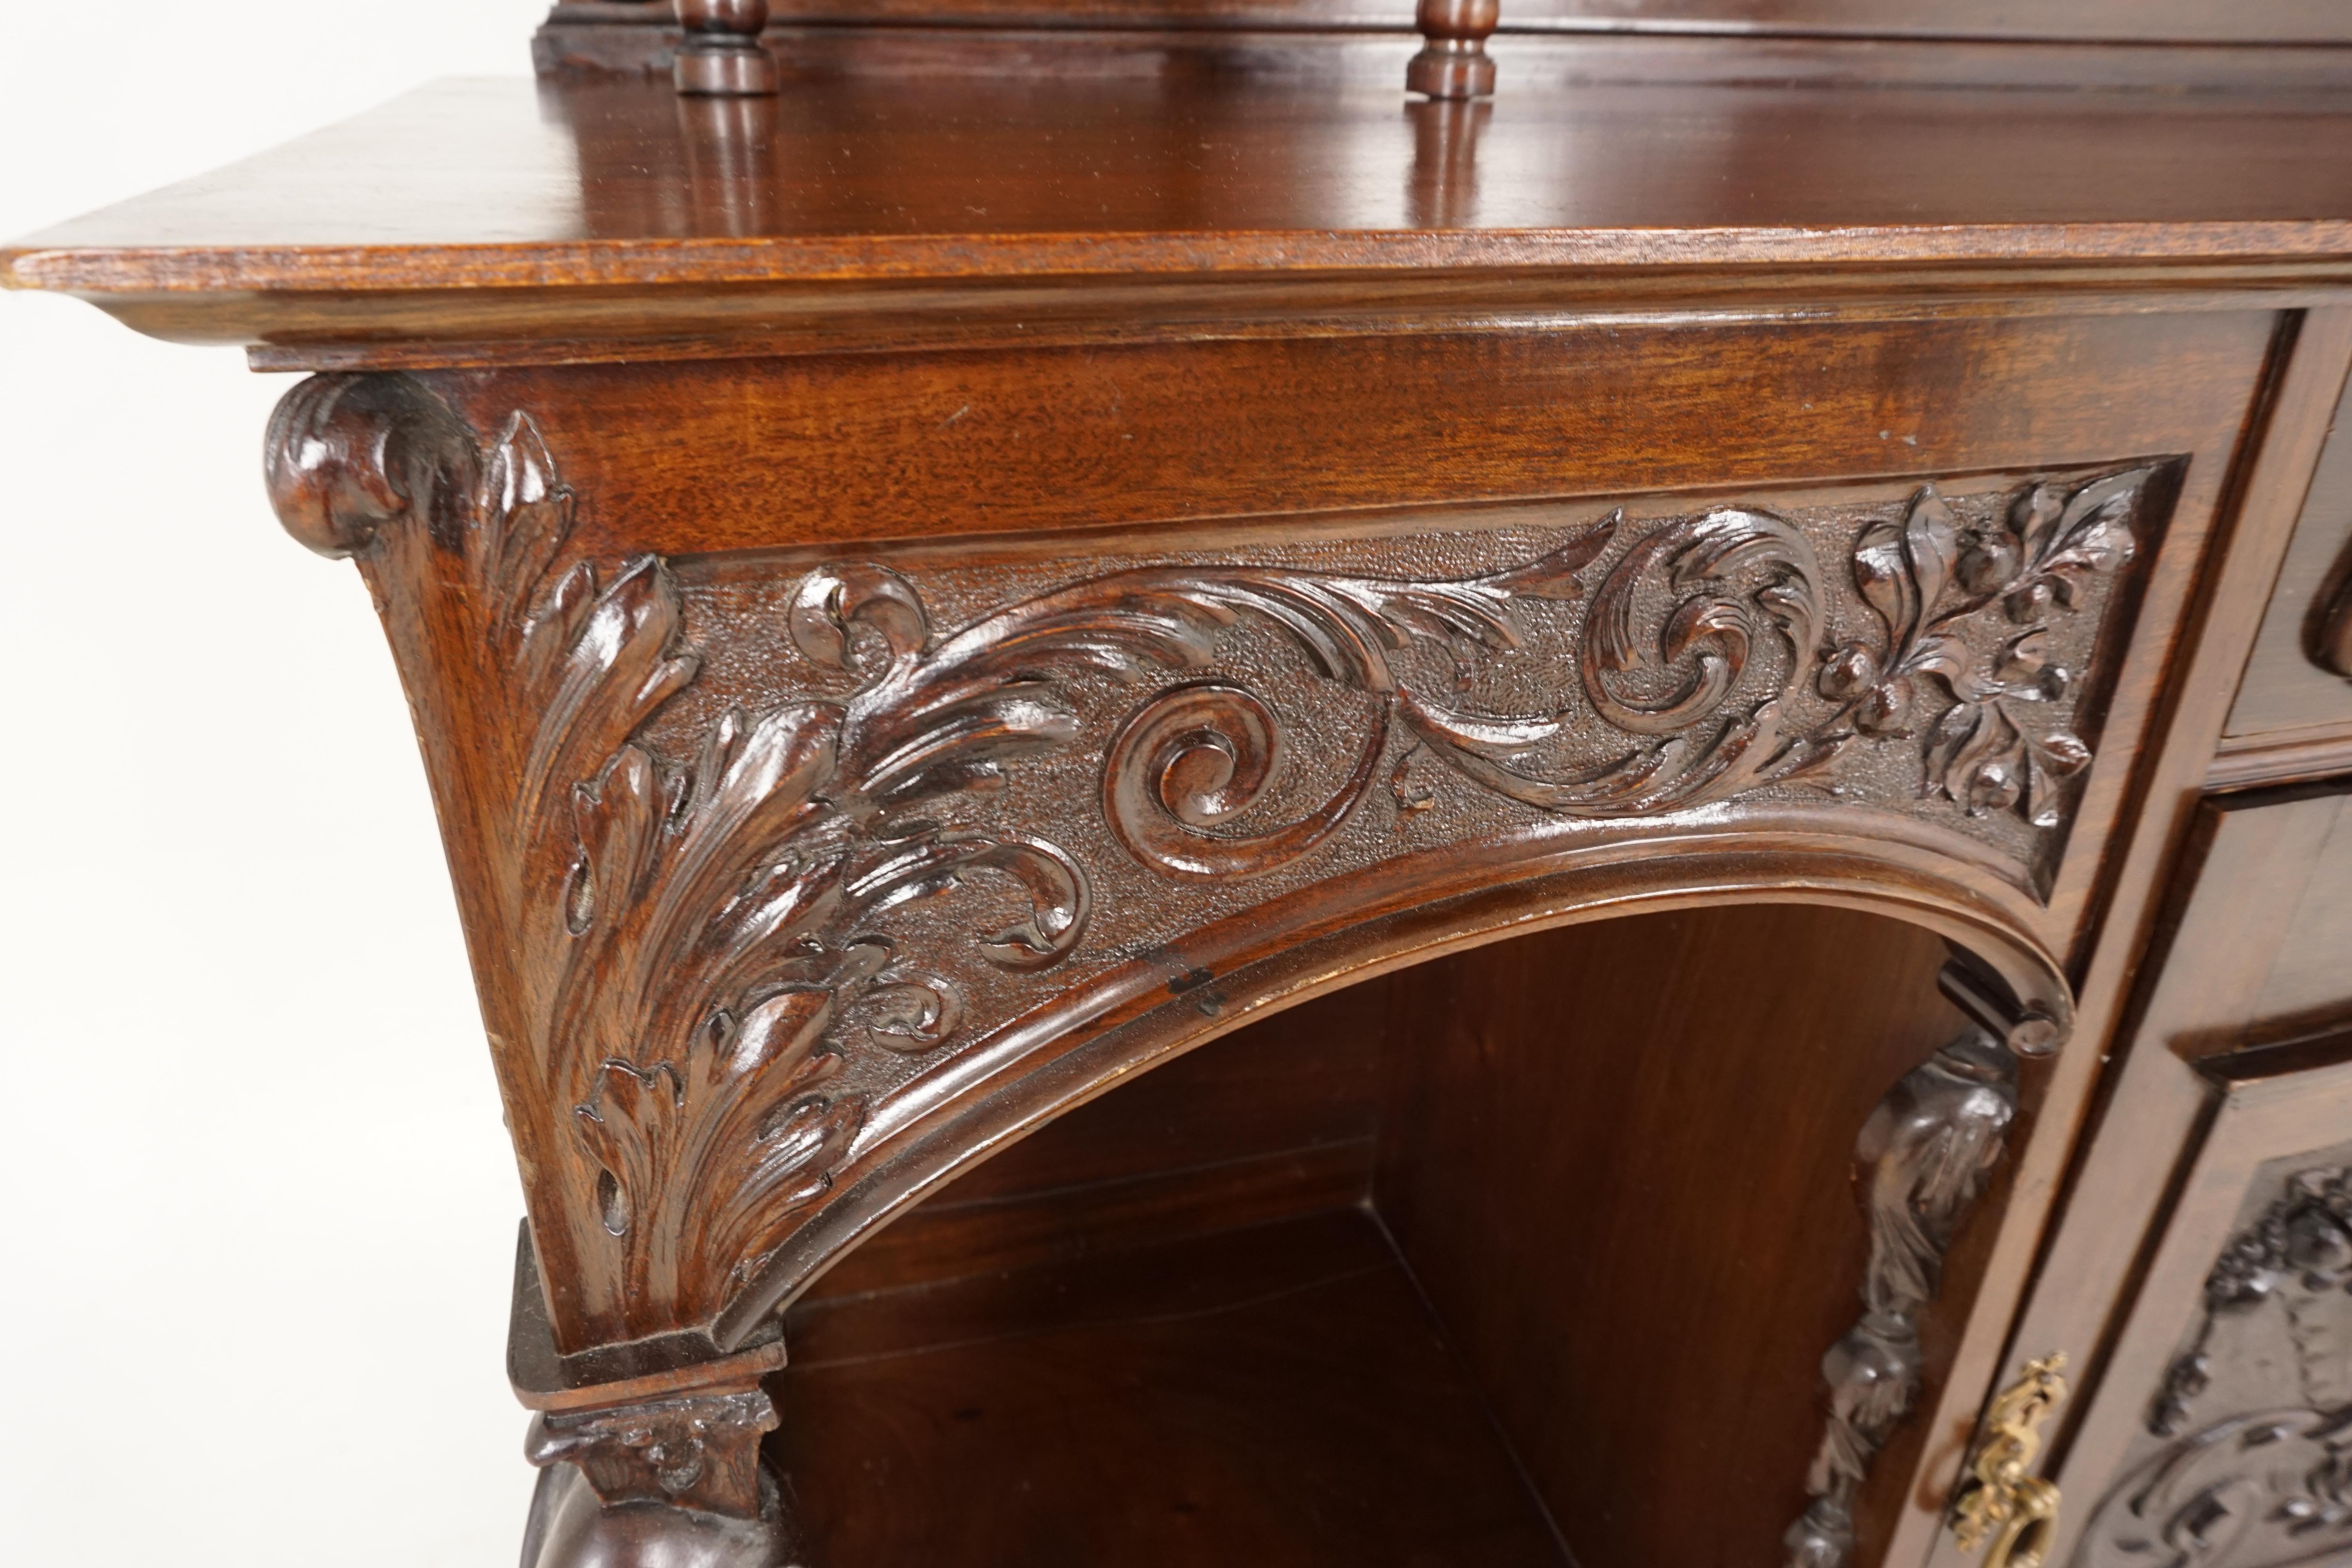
(2240, 1454)
(2208, 1437)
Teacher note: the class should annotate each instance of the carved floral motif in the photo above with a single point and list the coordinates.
(1991, 749)
(2272, 1486)
(691, 942)
(2260, 1490)
(2300, 1249)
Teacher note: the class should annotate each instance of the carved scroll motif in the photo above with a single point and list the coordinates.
(2260, 1490)
(711, 949)
(1922, 1162)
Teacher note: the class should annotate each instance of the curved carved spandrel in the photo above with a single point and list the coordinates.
(1921, 1163)
(762, 869)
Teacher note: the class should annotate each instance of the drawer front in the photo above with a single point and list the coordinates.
(2300, 675)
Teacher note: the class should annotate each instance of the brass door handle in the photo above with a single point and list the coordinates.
(2018, 1512)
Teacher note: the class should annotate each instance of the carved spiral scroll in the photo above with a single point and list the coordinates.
(1707, 627)
(1199, 754)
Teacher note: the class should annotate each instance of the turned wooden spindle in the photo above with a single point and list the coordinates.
(722, 54)
(1453, 62)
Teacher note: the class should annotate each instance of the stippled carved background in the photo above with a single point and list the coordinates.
(773, 842)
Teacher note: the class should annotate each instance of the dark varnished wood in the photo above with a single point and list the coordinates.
(388, 468)
(2299, 681)
(1272, 1122)
(1452, 62)
(719, 54)
(2285, 436)
(2167, 21)
(921, 605)
(851, 184)
(1636, 1342)
(2234, 1451)
(805, 453)
(1276, 1395)
(713, 1029)
(2252, 952)
(952, 442)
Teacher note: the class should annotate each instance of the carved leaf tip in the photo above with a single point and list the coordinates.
(526, 516)
(830, 603)
(1553, 575)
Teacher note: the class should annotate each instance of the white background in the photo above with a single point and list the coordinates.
(260, 1210)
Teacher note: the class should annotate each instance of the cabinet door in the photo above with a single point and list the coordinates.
(2210, 1225)
(2225, 1430)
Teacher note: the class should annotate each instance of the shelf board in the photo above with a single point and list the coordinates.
(1279, 1396)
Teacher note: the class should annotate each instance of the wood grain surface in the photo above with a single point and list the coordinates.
(1277, 1396)
(2161, 21)
(1618, 1159)
(479, 184)
(2298, 682)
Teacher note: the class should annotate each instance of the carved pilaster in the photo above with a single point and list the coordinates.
(1921, 1163)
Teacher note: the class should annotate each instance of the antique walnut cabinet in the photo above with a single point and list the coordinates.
(1209, 812)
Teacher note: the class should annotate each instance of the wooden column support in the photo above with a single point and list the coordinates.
(1921, 1163)
(658, 1461)
(722, 55)
(1454, 63)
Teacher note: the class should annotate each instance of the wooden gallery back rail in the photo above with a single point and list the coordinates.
(1701, 681)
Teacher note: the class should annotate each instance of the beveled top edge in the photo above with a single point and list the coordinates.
(689, 262)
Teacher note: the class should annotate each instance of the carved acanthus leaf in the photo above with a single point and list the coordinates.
(695, 930)
(1922, 1162)
(2300, 1246)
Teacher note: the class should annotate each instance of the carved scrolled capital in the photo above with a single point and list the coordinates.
(347, 453)
(700, 1451)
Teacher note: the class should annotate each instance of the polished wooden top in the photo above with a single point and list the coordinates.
(491, 183)
(2243, 21)
(1097, 192)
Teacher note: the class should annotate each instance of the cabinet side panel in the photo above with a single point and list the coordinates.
(1620, 1160)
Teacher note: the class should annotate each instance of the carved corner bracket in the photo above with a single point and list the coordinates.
(1921, 1163)
(705, 909)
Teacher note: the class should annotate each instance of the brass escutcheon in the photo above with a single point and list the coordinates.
(2018, 1512)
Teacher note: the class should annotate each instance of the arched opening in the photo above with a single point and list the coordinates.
(1443, 1268)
